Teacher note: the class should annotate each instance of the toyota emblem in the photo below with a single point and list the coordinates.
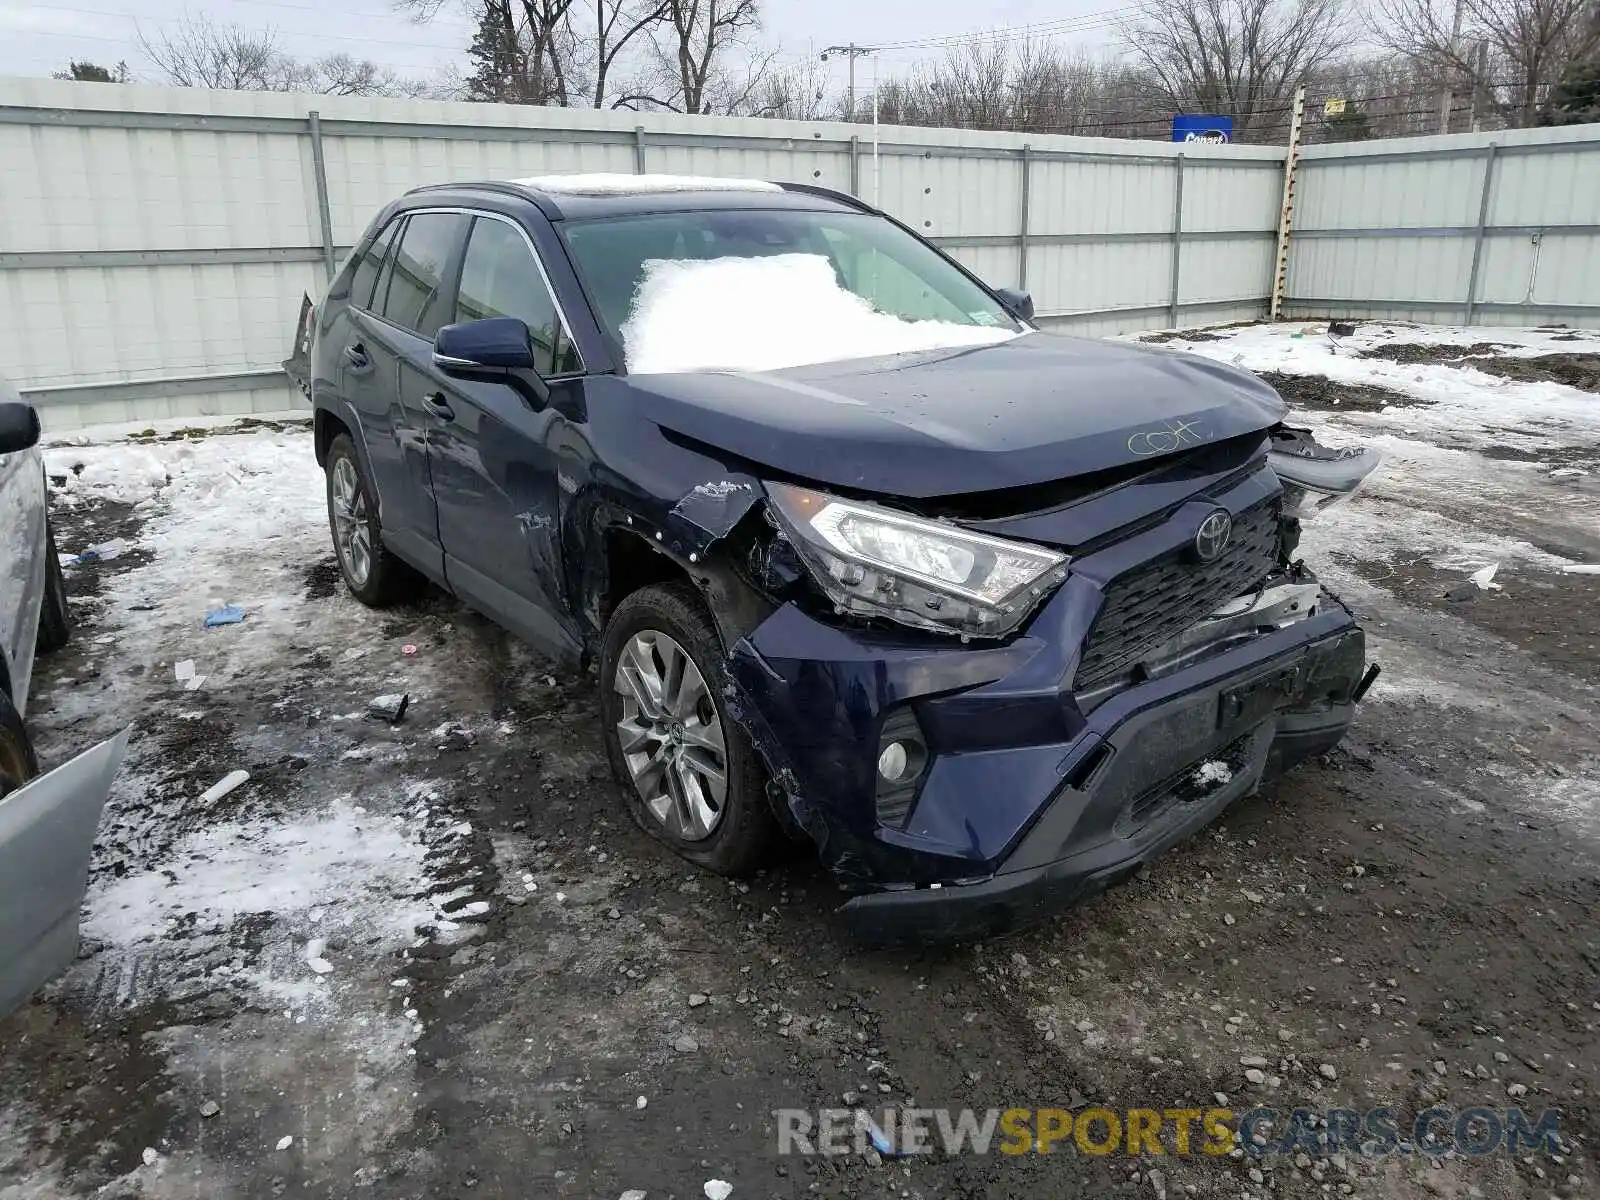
(1212, 538)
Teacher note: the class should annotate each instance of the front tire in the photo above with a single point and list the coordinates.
(690, 776)
(17, 762)
(55, 618)
(372, 573)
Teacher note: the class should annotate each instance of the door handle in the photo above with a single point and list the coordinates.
(436, 404)
(356, 355)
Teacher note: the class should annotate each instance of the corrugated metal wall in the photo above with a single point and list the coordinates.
(155, 243)
(1489, 229)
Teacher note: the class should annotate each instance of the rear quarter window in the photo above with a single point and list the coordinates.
(414, 293)
(365, 276)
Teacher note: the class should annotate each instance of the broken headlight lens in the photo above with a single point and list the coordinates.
(877, 562)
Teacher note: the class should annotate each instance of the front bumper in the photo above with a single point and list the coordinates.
(1034, 798)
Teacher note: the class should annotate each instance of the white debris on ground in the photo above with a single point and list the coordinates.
(1212, 773)
(763, 314)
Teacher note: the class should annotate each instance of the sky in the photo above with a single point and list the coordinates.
(39, 38)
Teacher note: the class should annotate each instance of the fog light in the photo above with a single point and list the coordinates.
(902, 763)
(892, 762)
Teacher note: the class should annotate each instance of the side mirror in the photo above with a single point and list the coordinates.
(1018, 302)
(19, 427)
(492, 346)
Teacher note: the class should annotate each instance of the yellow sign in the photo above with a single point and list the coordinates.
(1333, 107)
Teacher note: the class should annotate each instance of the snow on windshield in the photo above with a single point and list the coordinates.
(763, 314)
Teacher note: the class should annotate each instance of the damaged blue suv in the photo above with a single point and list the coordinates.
(990, 616)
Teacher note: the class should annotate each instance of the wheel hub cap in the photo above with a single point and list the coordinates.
(671, 736)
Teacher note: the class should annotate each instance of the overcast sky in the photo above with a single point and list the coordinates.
(39, 38)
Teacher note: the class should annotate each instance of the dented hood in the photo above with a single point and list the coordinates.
(939, 423)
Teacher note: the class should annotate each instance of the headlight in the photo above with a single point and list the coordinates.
(874, 561)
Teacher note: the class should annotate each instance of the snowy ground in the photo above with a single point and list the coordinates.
(445, 967)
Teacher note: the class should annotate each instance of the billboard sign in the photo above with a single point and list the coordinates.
(1197, 127)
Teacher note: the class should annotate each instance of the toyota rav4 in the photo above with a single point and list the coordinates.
(989, 616)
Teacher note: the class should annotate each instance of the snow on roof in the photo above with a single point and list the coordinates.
(627, 185)
(763, 314)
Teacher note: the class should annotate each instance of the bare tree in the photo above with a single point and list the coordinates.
(798, 93)
(523, 51)
(1236, 58)
(199, 53)
(1507, 54)
(618, 26)
(699, 36)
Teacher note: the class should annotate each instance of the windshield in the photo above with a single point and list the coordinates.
(763, 289)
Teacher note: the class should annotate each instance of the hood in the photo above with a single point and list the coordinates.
(941, 423)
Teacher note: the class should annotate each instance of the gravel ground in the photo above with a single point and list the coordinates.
(431, 959)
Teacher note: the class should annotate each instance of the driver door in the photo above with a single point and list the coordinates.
(493, 454)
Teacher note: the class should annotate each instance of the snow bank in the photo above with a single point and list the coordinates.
(763, 314)
(600, 184)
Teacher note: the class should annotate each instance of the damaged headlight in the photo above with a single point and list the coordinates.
(874, 561)
(1315, 476)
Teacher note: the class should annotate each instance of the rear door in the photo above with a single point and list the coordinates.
(409, 303)
(47, 829)
(493, 454)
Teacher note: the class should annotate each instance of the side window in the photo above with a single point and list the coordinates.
(499, 278)
(414, 299)
(369, 264)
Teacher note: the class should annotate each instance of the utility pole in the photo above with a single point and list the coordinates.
(852, 52)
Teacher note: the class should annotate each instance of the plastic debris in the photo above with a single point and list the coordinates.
(390, 707)
(1485, 578)
(1581, 568)
(285, 1142)
(224, 785)
(185, 674)
(314, 959)
(228, 614)
(104, 552)
(408, 649)
(716, 1189)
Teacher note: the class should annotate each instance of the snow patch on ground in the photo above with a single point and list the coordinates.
(764, 314)
(1465, 406)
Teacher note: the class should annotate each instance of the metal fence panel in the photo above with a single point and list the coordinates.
(154, 243)
(1490, 228)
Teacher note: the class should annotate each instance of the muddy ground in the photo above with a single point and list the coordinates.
(1413, 919)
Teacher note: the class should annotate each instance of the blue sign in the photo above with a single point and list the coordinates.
(1191, 127)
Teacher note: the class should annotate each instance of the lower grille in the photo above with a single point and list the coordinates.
(1155, 602)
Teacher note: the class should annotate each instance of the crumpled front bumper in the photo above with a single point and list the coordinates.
(1029, 804)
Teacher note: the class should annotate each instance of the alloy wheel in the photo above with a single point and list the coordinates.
(352, 533)
(671, 736)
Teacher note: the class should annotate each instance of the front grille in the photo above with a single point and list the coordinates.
(1155, 602)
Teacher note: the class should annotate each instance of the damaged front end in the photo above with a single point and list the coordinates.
(981, 715)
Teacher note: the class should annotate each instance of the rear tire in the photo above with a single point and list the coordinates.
(55, 618)
(682, 740)
(374, 575)
(17, 762)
